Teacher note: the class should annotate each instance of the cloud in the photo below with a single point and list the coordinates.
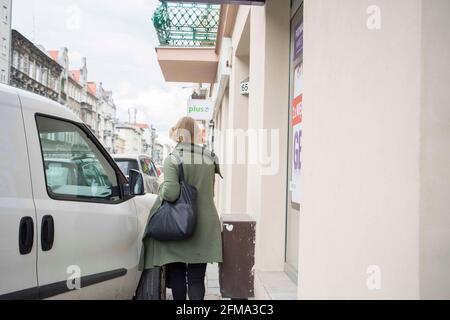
(118, 39)
(159, 107)
(75, 58)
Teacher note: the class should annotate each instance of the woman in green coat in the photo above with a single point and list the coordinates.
(187, 259)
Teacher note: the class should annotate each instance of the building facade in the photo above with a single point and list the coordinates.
(5, 38)
(88, 100)
(73, 100)
(119, 145)
(48, 73)
(132, 137)
(136, 138)
(32, 69)
(345, 127)
(107, 116)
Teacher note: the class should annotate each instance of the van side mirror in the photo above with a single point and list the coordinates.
(136, 183)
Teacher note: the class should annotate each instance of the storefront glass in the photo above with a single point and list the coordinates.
(295, 133)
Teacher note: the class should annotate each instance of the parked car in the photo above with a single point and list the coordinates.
(71, 224)
(144, 165)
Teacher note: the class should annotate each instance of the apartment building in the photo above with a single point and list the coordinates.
(5, 39)
(32, 69)
(89, 100)
(134, 137)
(107, 116)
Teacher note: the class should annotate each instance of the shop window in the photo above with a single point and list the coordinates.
(15, 59)
(4, 47)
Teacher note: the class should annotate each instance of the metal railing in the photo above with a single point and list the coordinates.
(185, 24)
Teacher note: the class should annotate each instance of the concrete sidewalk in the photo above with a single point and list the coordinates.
(211, 284)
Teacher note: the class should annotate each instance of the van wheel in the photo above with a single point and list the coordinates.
(152, 285)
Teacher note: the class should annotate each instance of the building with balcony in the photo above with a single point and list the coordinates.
(89, 100)
(88, 96)
(62, 57)
(187, 33)
(73, 100)
(344, 112)
(32, 69)
(47, 73)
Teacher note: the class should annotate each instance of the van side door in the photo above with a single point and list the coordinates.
(88, 243)
(18, 236)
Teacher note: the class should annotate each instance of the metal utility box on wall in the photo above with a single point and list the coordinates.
(236, 273)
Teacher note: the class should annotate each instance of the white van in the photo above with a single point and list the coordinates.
(71, 224)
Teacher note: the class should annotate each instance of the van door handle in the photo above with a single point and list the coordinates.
(47, 233)
(26, 235)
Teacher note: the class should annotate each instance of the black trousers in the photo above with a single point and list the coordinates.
(187, 278)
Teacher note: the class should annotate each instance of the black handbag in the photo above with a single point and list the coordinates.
(175, 221)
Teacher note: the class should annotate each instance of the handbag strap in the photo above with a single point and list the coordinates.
(180, 167)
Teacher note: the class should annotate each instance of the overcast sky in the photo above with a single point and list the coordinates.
(119, 40)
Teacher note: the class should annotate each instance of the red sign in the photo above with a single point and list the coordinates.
(297, 108)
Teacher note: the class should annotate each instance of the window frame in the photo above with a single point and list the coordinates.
(121, 180)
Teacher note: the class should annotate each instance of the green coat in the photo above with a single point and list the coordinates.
(205, 245)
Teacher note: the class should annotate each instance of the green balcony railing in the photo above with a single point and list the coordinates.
(185, 24)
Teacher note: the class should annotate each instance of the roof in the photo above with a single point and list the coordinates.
(53, 54)
(75, 74)
(92, 88)
(18, 38)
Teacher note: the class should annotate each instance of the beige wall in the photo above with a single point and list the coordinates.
(238, 117)
(375, 153)
(260, 43)
(268, 109)
(360, 152)
(435, 151)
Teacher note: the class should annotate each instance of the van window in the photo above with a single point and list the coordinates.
(74, 166)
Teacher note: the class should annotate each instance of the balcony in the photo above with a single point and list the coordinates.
(187, 33)
(87, 107)
(186, 24)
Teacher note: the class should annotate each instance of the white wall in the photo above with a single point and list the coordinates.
(435, 151)
(132, 139)
(5, 33)
(360, 152)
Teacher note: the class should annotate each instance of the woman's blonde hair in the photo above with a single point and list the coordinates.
(186, 130)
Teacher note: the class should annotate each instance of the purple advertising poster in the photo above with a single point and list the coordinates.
(298, 41)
